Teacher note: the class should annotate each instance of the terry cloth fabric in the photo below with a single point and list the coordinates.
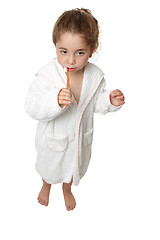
(64, 135)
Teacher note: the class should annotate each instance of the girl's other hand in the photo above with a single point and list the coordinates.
(64, 97)
(117, 98)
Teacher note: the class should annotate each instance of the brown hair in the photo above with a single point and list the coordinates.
(78, 21)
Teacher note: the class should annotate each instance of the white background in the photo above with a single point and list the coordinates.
(119, 197)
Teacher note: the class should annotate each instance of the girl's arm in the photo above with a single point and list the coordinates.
(41, 102)
(102, 102)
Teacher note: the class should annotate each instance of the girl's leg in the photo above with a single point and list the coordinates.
(43, 197)
(68, 196)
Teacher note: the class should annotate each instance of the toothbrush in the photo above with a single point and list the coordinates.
(66, 70)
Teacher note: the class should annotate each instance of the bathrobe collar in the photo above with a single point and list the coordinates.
(93, 75)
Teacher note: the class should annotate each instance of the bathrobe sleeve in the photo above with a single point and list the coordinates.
(102, 102)
(41, 102)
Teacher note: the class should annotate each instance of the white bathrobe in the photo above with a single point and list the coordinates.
(64, 135)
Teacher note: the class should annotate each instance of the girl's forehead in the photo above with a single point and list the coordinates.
(74, 40)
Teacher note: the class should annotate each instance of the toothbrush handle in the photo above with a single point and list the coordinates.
(67, 82)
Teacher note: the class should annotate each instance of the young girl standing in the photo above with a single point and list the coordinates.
(65, 116)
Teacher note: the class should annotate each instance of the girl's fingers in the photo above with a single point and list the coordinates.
(65, 90)
(67, 98)
(121, 97)
(64, 102)
(116, 93)
(122, 102)
(65, 93)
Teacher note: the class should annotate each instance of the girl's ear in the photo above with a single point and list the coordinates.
(91, 53)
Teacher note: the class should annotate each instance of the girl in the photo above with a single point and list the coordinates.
(65, 116)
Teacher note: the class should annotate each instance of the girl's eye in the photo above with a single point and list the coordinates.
(80, 53)
(64, 52)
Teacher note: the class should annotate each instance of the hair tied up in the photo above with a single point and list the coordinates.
(83, 10)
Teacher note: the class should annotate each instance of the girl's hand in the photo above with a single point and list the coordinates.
(64, 97)
(117, 98)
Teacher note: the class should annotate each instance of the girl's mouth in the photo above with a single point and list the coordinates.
(71, 69)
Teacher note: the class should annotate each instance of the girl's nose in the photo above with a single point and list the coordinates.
(71, 60)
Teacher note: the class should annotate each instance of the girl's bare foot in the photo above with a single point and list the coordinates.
(43, 197)
(69, 199)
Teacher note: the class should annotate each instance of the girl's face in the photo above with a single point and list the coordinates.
(72, 51)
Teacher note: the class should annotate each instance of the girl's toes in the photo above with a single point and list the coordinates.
(40, 201)
(68, 208)
(71, 207)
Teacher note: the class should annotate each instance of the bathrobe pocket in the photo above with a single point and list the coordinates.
(51, 157)
(56, 143)
(88, 137)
